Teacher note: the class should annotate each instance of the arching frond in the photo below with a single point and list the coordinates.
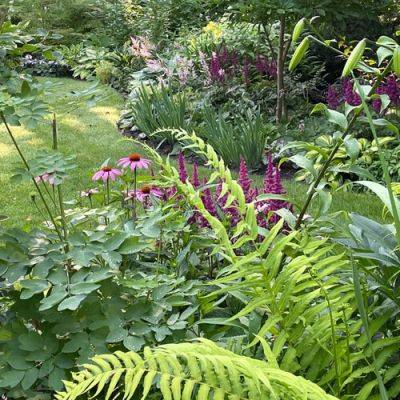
(199, 370)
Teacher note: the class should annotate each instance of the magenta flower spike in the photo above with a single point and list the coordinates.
(332, 98)
(208, 200)
(195, 176)
(134, 161)
(350, 96)
(244, 180)
(246, 71)
(106, 173)
(182, 168)
(278, 188)
(269, 176)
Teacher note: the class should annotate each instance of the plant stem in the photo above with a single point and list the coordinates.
(33, 179)
(337, 146)
(383, 161)
(62, 213)
(364, 317)
(108, 191)
(134, 192)
(54, 130)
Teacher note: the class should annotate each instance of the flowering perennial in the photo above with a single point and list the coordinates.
(390, 86)
(214, 203)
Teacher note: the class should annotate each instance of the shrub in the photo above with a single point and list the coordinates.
(104, 71)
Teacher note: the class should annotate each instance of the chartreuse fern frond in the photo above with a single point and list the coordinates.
(199, 370)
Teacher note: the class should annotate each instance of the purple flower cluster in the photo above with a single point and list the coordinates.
(332, 98)
(265, 67)
(224, 64)
(213, 201)
(390, 87)
(349, 95)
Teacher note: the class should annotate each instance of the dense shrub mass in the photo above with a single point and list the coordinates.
(184, 270)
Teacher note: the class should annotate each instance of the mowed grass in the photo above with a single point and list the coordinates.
(90, 133)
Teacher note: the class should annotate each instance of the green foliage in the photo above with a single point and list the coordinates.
(353, 159)
(157, 109)
(199, 370)
(67, 306)
(243, 137)
(21, 97)
(71, 19)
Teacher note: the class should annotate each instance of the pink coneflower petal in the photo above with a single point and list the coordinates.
(144, 193)
(106, 173)
(134, 161)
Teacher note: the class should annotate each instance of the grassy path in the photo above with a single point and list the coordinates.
(91, 134)
(88, 133)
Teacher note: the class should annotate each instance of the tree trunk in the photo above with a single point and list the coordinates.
(281, 112)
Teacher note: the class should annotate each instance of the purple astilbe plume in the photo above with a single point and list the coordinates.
(217, 72)
(234, 61)
(332, 98)
(246, 71)
(392, 90)
(224, 55)
(261, 64)
(182, 168)
(205, 69)
(272, 69)
(278, 188)
(244, 180)
(269, 181)
(377, 103)
(195, 176)
(184, 69)
(350, 96)
(208, 200)
(221, 200)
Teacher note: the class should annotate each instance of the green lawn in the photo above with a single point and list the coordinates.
(91, 134)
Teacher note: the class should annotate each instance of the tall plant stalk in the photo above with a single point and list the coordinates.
(382, 160)
(25, 162)
(332, 154)
(59, 188)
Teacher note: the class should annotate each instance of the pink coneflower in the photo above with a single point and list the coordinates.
(89, 192)
(49, 178)
(106, 173)
(144, 193)
(134, 161)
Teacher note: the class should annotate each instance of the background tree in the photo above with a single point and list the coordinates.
(334, 14)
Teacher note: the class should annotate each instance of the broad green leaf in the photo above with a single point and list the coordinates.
(71, 303)
(382, 192)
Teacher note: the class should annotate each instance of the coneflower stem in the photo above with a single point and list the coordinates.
(134, 192)
(33, 179)
(108, 191)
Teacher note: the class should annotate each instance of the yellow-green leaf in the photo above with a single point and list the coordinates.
(354, 58)
(299, 53)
